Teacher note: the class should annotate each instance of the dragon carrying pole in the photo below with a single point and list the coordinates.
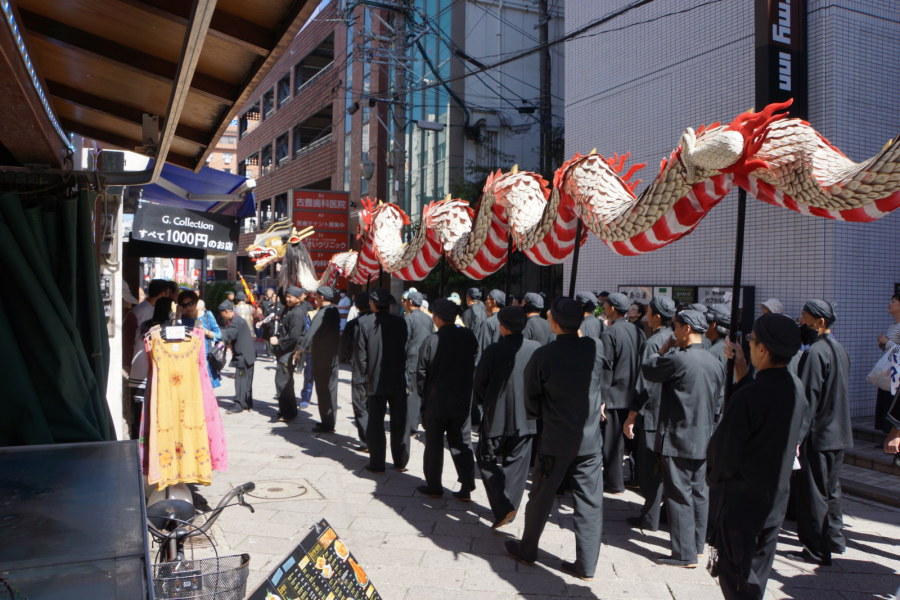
(736, 286)
(574, 275)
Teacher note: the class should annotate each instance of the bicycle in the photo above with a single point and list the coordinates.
(175, 577)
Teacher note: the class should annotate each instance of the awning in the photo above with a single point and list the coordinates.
(208, 190)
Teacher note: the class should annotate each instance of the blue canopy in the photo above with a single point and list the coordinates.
(208, 190)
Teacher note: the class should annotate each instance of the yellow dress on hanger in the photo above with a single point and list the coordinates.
(180, 446)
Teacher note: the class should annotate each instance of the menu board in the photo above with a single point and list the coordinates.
(321, 566)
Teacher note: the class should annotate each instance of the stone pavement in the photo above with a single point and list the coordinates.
(415, 547)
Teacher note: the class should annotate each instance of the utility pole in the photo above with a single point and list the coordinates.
(399, 104)
(546, 122)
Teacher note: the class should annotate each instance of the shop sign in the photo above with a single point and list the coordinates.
(180, 227)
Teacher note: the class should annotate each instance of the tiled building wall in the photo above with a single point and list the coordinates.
(638, 82)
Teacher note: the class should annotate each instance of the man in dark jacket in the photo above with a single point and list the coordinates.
(622, 343)
(418, 327)
(644, 414)
(562, 388)
(750, 457)
(495, 301)
(718, 322)
(536, 327)
(444, 376)
(236, 331)
(323, 341)
(350, 353)
(285, 344)
(474, 316)
(691, 382)
(590, 326)
(825, 372)
(381, 348)
(504, 442)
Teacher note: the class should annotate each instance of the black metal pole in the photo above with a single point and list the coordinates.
(443, 270)
(574, 275)
(380, 275)
(509, 251)
(736, 286)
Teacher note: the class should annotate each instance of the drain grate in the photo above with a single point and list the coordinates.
(284, 489)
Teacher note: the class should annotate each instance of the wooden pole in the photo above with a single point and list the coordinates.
(574, 276)
(509, 251)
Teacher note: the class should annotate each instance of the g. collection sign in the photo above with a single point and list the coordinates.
(180, 227)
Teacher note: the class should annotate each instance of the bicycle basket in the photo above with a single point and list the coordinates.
(222, 578)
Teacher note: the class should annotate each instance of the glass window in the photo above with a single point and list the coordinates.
(227, 140)
(268, 103)
(227, 157)
(282, 150)
(265, 159)
(280, 209)
(284, 90)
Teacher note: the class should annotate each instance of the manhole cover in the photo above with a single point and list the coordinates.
(283, 490)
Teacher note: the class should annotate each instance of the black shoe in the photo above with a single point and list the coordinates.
(322, 429)
(515, 551)
(569, 569)
(463, 494)
(285, 419)
(674, 562)
(372, 469)
(234, 410)
(807, 557)
(506, 520)
(424, 489)
(401, 469)
(362, 448)
(639, 523)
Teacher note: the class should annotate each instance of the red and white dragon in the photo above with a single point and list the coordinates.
(780, 160)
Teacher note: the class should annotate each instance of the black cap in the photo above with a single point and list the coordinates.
(720, 313)
(474, 293)
(694, 318)
(381, 298)
(533, 301)
(240, 297)
(779, 333)
(416, 298)
(587, 300)
(294, 291)
(226, 305)
(619, 301)
(498, 296)
(326, 292)
(512, 317)
(663, 306)
(567, 313)
(820, 309)
(361, 300)
(444, 309)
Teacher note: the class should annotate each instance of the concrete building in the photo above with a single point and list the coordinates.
(635, 83)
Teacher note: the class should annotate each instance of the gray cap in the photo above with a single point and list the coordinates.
(416, 298)
(820, 309)
(619, 301)
(382, 298)
(326, 292)
(586, 300)
(294, 291)
(720, 313)
(240, 297)
(694, 318)
(534, 301)
(774, 305)
(699, 307)
(474, 293)
(512, 317)
(226, 305)
(663, 306)
(567, 312)
(498, 296)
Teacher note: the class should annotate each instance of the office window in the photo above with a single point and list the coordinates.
(227, 157)
(282, 149)
(268, 103)
(281, 207)
(284, 90)
(265, 159)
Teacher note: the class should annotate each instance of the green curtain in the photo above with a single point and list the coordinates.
(55, 359)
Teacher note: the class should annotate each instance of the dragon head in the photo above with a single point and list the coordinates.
(264, 255)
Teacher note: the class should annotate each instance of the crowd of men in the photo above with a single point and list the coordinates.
(574, 399)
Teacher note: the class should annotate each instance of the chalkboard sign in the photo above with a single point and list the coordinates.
(320, 566)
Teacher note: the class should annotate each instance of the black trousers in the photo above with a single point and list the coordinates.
(284, 386)
(614, 450)
(687, 505)
(882, 404)
(360, 411)
(459, 440)
(243, 387)
(745, 559)
(325, 377)
(649, 473)
(375, 437)
(413, 403)
(586, 476)
(503, 462)
(820, 520)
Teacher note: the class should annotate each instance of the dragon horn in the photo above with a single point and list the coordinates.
(514, 170)
(594, 151)
(448, 197)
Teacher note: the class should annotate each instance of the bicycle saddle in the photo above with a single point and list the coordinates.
(170, 514)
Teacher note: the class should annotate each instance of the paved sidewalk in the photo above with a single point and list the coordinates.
(417, 548)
